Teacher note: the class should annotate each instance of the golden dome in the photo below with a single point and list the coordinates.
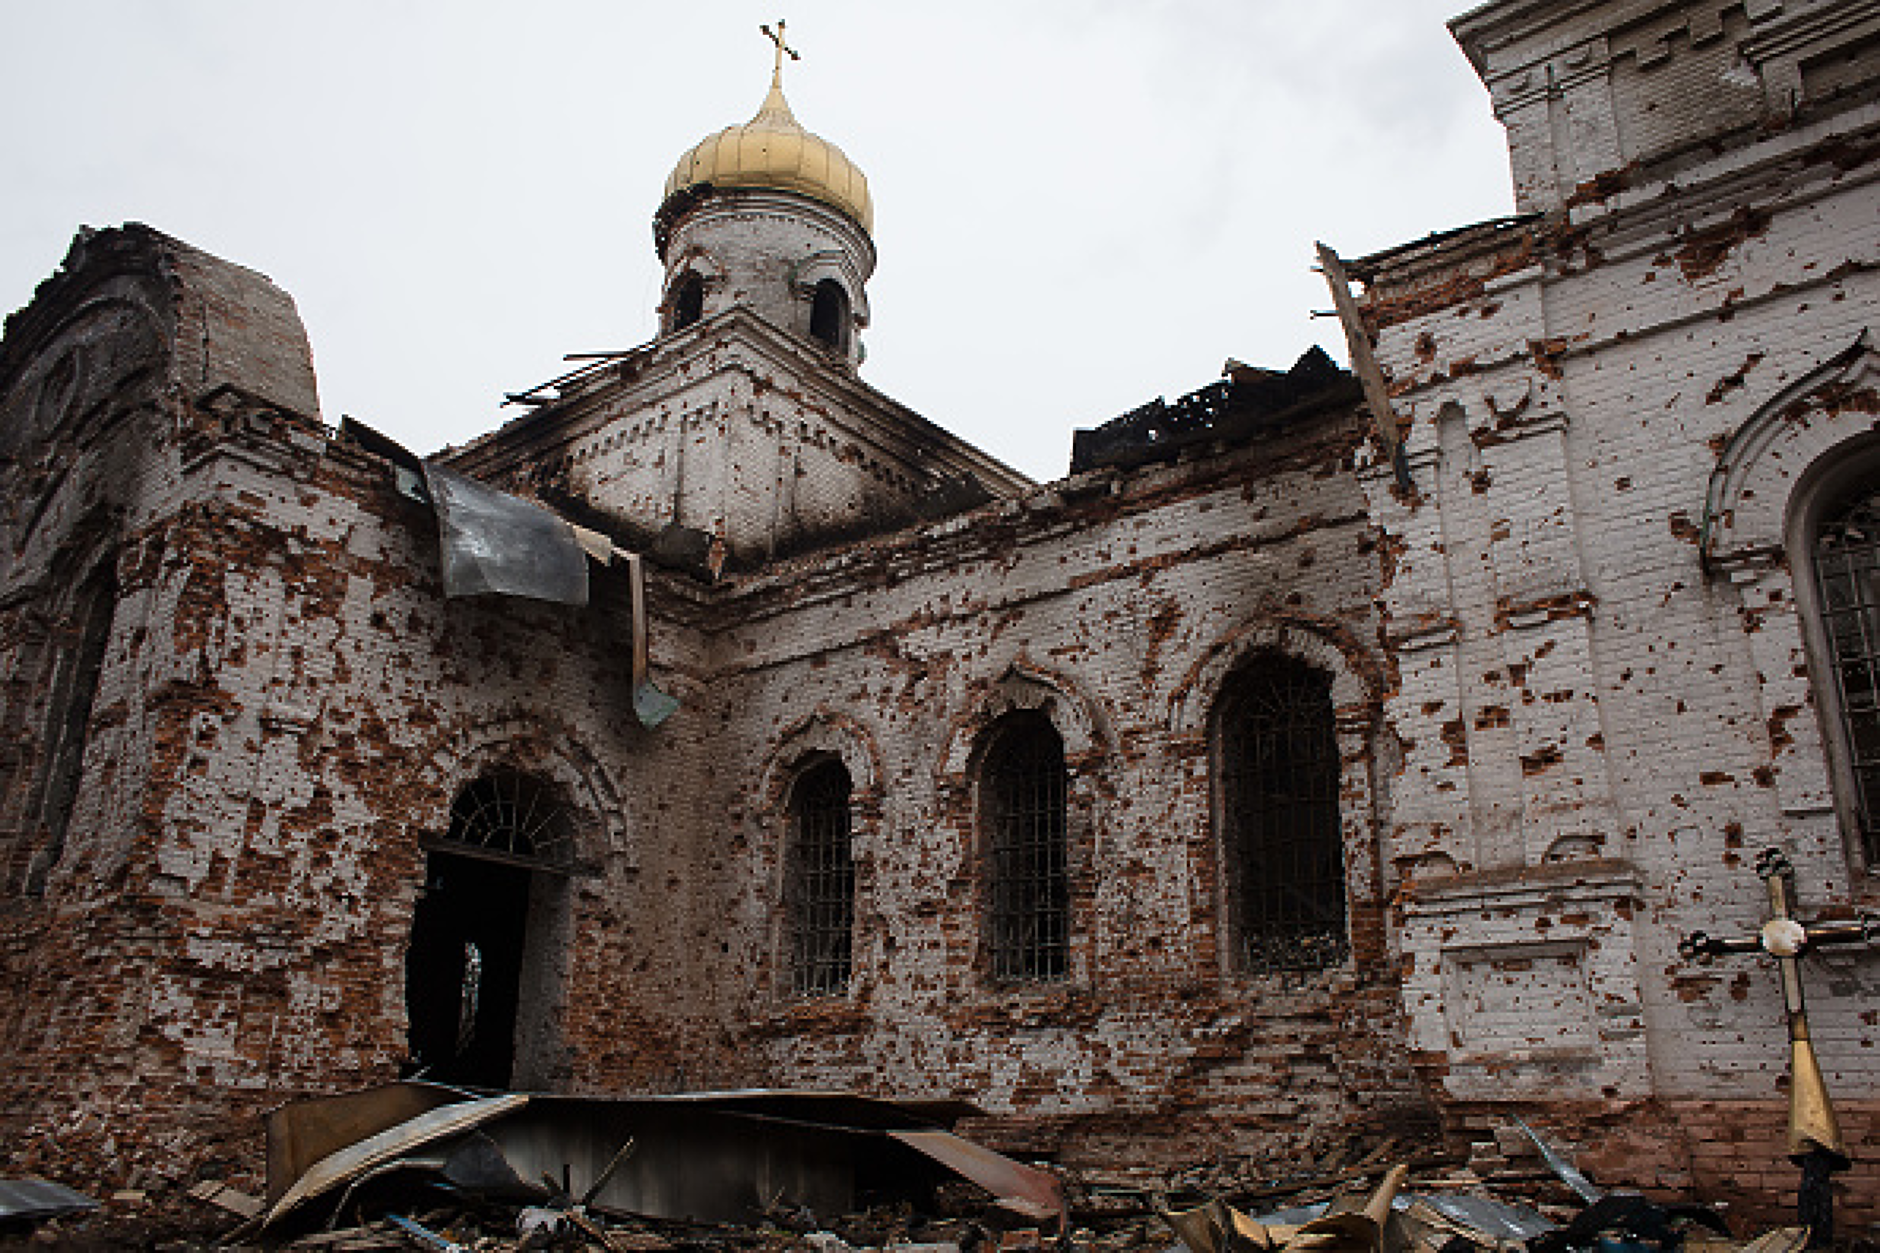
(773, 150)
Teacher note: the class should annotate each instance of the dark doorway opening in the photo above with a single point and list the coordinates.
(463, 972)
(494, 900)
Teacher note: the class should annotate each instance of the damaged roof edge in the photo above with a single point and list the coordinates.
(1365, 268)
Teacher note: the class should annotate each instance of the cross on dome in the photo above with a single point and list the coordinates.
(783, 50)
(773, 151)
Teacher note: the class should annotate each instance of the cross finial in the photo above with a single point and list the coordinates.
(783, 50)
(1814, 1135)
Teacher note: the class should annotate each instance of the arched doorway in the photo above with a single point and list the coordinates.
(509, 846)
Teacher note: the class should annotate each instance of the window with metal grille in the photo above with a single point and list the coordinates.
(1847, 567)
(820, 882)
(1280, 834)
(1028, 881)
(513, 817)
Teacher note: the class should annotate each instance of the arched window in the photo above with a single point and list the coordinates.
(819, 888)
(688, 300)
(510, 816)
(829, 315)
(1282, 856)
(1847, 573)
(1027, 875)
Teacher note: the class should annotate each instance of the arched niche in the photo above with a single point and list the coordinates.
(833, 267)
(1355, 694)
(806, 748)
(824, 732)
(1022, 685)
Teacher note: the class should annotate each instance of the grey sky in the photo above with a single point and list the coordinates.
(1078, 206)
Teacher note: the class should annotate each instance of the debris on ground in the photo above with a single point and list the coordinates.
(29, 1201)
(426, 1167)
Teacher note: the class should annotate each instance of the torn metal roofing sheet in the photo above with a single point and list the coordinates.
(712, 1156)
(1020, 1188)
(355, 1160)
(32, 1199)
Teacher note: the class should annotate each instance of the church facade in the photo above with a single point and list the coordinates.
(1300, 761)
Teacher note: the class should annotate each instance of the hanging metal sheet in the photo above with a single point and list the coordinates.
(497, 543)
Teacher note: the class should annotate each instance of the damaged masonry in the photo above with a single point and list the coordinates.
(1329, 759)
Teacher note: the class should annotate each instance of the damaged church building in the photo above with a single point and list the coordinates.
(1311, 755)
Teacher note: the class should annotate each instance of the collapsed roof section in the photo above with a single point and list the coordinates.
(1248, 402)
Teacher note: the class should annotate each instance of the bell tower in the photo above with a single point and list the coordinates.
(771, 217)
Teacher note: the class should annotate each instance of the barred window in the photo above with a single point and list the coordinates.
(1280, 840)
(1028, 882)
(1847, 568)
(820, 884)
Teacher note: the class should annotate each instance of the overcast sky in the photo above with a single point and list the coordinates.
(1079, 206)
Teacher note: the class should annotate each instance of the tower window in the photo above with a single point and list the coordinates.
(1282, 852)
(820, 883)
(1028, 880)
(829, 315)
(1847, 567)
(688, 300)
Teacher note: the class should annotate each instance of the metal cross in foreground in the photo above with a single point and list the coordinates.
(1814, 1136)
(783, 49)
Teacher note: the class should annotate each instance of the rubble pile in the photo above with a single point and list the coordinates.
(419, 1166)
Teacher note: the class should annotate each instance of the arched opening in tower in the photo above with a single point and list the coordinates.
(688, 301)
(829, 315)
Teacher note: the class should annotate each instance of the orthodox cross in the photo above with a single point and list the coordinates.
(783, 49)
(1814, 1136)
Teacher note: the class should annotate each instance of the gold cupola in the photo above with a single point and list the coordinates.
(772, 151)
